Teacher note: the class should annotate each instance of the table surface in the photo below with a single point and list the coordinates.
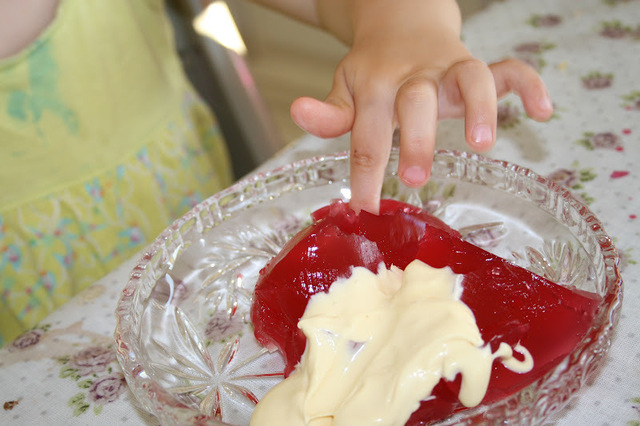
(588, 52)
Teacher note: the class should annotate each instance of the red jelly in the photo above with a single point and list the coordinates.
(510, 304)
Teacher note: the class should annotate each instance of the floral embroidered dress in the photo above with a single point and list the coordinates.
(103, 143)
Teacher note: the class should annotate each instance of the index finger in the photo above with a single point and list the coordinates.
(370, 149)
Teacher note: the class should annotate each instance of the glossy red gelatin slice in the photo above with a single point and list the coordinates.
(510, 304)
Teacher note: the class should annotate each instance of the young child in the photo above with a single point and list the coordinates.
(103, 142)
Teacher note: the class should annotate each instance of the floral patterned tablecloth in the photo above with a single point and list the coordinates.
(65, 371)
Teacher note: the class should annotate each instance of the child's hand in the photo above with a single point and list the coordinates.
(404, 71)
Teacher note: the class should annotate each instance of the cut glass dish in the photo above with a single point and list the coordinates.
(184, 335)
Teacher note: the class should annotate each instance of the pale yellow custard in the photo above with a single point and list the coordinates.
(377, 344)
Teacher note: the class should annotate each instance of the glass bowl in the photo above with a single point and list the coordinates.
(184, 335)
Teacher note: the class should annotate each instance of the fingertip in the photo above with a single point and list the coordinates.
(540, 112)
(481, 138)
(545, 108)
(301, 110)
(515, 76)
(481, 134)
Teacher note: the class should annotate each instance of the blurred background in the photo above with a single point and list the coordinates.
(251, 81)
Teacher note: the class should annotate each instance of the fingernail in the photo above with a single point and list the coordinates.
(414, 175)
(481, 134)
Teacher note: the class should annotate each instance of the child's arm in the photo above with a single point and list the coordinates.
(406, 68)
(21, 21)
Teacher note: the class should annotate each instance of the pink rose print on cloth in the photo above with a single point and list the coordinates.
(565, 177)
(29, 338)
(97, 375)
(531, 53)
(221, 327)
(604, 140)
(613, 29)
(616, 30)
(92, 360)
(435, 201)
(574, 179)
(107, 389)
(626, 259)
(545, 21)
(597, 80)
(486, 237)
(508, 115)
(632, 101)
(533, 47)
(290, 226)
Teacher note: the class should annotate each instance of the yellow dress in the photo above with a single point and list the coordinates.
(103, 142)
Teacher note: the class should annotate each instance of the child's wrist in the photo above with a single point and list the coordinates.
(362, 19)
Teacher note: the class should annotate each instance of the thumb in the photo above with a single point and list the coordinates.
(330, 118)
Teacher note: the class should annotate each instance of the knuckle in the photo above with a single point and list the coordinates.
(471, 65)
(512, 62)
(515, 64)
(414, 140)
(363, 160)
(377, 87)
(416, 92)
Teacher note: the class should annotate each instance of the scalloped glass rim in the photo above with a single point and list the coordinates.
(534, 403)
